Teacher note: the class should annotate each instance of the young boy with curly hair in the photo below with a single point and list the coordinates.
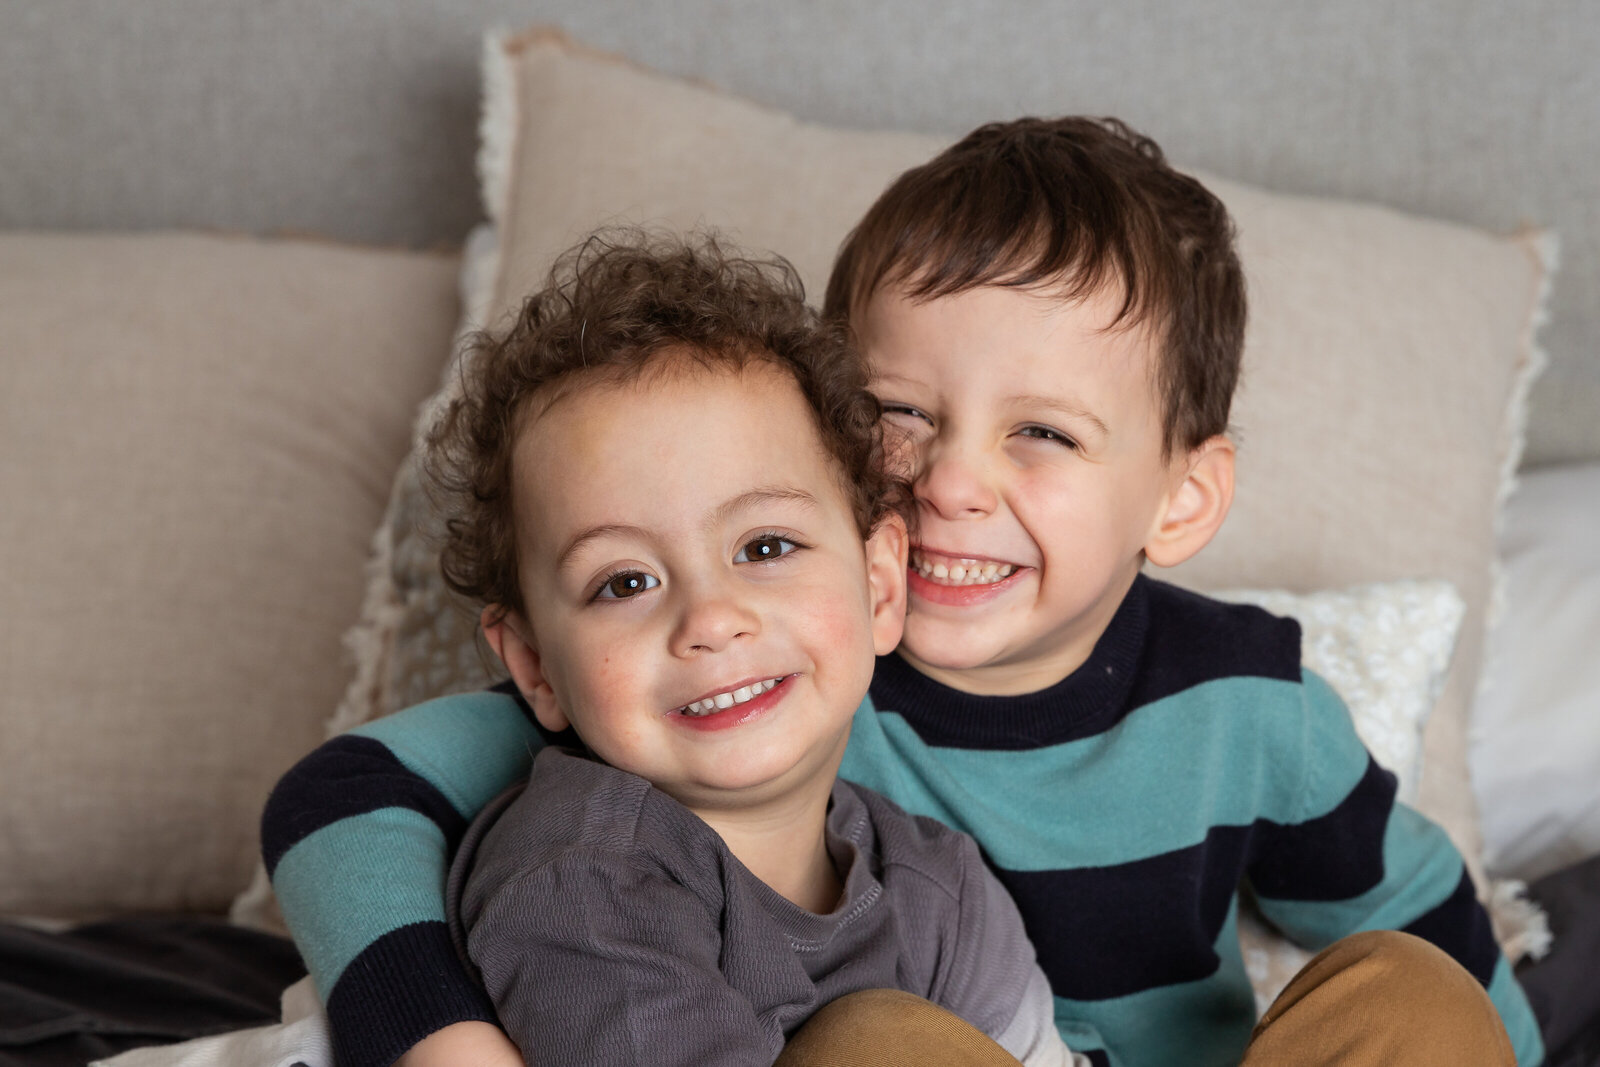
(1053, 319)
(664, 486)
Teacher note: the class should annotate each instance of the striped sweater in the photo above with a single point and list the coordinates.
(1125, 808)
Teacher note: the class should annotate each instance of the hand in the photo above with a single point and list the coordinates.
(470, 1044)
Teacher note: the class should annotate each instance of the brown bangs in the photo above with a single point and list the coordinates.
(1066, 206)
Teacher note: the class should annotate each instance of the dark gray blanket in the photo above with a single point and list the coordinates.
(104, 988)
(1564, 987)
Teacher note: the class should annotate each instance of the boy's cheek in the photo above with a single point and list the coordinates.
(840, 629)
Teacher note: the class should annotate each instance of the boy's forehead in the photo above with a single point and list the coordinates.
(574, 413)
(639, 446)
(997, 323)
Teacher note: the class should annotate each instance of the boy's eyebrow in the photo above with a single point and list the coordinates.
(594, 533)
(765, 494)
(760, 495)
(1064, 407)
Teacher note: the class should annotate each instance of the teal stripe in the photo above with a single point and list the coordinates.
(1335, 757)
(1517, 1014)
(1421, 868)
(1223, 753)
(470, 747)
(389, 868)
(1205, 1023)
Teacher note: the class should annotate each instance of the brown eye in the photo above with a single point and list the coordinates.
(627, 584)
(761, 549)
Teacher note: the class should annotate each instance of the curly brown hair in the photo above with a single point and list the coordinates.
(1066, 205)
(613, 307)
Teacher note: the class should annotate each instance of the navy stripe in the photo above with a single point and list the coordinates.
(1461, 927)
(1096, 1057)
(342, 777)
(401, 988)
(1193, 639)
(1336, 856)
(1162, 641)
(1104, 932)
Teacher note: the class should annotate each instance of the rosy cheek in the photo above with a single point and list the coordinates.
(839, 628)
(610, 679)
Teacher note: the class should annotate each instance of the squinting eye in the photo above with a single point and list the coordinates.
(1044, 433)
(890, 408)
(627, 584)
(764, 548)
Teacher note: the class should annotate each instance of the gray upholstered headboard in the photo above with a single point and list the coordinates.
(356, 118)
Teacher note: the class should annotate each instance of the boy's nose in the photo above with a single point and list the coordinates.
(711, 620)
(953, 486)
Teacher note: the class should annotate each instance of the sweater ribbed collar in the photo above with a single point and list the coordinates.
(1087, 701)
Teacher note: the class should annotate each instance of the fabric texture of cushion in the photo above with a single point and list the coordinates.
(197, 436)
(1380, 414)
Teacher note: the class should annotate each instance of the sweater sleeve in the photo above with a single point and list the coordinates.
(357, 839)
(1355, 859)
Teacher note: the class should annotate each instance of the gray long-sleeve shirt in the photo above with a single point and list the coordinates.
(611, 925)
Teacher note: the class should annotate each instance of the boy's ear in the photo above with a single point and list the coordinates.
(1195, 507)
(886, 581)
(511, 638)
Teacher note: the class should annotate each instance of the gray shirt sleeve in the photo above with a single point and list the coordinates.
(994, 980)
(1032, 1036)
(592, 958)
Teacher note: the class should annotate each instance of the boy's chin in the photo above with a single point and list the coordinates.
(969, 663)
(938, 657)
(754, 779)
(939, 654)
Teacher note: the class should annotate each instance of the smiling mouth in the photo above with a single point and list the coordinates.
(731, 697)
(957, 570)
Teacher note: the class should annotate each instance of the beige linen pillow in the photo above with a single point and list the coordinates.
(197, 436)
(1379, 417)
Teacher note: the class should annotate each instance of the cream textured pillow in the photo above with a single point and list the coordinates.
(197, 436)
(1387, 359)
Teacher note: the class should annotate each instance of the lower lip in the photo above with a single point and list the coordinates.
(739, 714)
(960, 596)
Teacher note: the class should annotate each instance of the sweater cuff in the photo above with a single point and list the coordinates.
(401, 988)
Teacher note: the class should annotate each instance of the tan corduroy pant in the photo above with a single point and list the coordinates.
(1380, 998)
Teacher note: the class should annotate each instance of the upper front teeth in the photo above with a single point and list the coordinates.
(964, 572)
(726, 700)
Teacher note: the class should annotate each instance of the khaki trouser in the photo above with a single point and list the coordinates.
(1380, 998)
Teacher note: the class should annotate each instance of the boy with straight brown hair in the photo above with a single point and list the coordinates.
(1053, 319)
